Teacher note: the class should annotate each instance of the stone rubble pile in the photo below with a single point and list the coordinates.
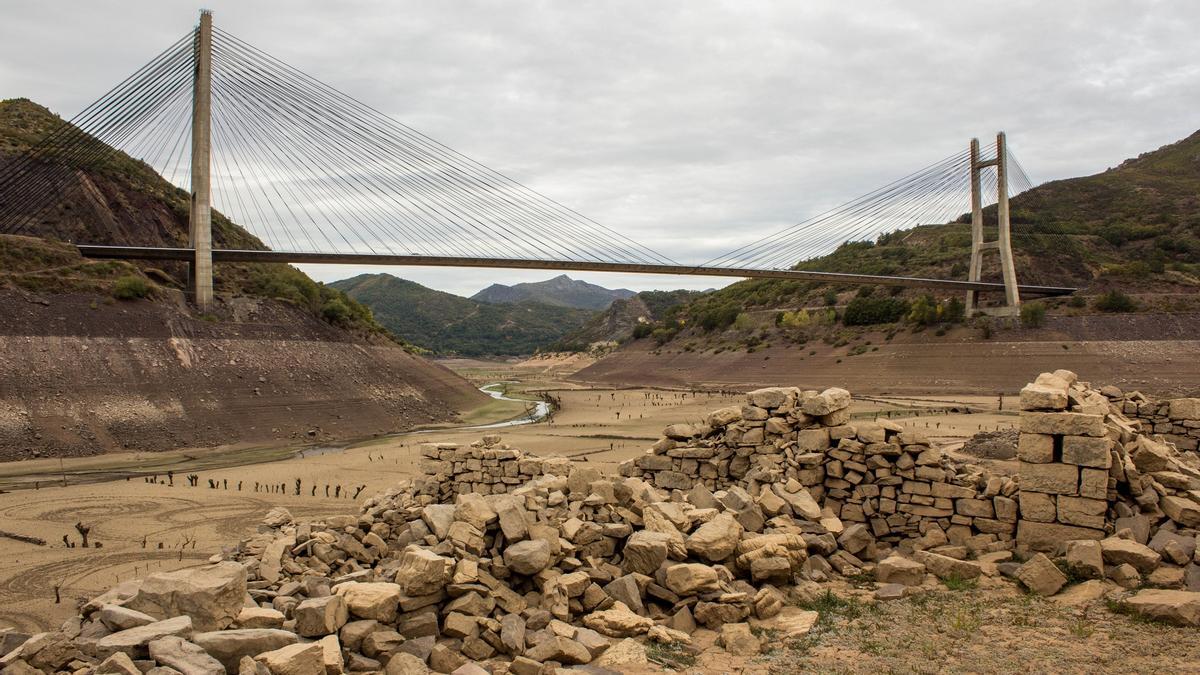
(493, 561)
(1178, 420)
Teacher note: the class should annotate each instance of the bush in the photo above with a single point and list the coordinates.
(925, 311)
(642, 330)
(830, 297)
(1077, 301)
(1115, 301)
(865, 311)
(335, 312)
(719, 317)
(1033, 315)
(130, 288)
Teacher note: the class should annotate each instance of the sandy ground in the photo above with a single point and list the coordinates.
(600, 426)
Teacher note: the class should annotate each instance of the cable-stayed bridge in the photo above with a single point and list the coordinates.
(320, 177)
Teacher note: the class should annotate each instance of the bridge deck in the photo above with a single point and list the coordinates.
(246, 256)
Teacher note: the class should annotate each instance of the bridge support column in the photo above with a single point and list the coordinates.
(200, 272)
(1003, 242)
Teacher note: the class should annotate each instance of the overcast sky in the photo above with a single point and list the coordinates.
(692, 126)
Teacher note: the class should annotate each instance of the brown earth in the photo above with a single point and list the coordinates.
(82, 374)
(1154, 353)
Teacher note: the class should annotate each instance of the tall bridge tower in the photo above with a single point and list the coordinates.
(200, 272)
(1003, 241)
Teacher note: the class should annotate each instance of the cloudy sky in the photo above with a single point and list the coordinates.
(692, 126)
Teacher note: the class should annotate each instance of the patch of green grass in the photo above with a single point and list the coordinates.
(831, 606)
(131, 288)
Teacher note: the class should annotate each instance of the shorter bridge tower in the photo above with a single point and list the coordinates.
(1003, 241)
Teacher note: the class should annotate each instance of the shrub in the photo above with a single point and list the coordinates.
(956, 311)
(130, 288)
(1115, 301)
(865, 311)
(925, 311)
(642, 330)
(743, 321)
(830, 297)
(1077, 301)
(1033, 315)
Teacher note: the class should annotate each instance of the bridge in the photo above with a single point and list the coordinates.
(320, 177)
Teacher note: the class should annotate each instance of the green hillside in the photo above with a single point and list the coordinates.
(450, 324)
(113, 198)
(1128, 238)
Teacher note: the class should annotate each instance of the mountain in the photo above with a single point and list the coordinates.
(449, 324)
(280, 359)
(1133, 229)
(562, 291)
(623, 316)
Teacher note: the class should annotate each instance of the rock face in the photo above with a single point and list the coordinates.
(212, 596)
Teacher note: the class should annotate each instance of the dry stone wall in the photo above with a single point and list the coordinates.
(1178, 420)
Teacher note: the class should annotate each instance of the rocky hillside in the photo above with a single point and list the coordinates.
(449, 324)
(97, 356)
(561, 291)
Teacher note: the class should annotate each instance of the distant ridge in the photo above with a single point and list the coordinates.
(450, 324)
(561, 291)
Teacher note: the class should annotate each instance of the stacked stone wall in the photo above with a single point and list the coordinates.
(1178, 420)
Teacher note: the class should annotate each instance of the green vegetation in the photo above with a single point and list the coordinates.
(866, 311)
(1033, 314)
(130, 288)
(1115, 301)
(450, 324)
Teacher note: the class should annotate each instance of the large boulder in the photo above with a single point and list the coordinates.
(618, 622)
(297, 659)
(646, 551)
(528, 557)
(186, 657)
(715, 540)
(1179, 607)
(212, 595)
(691, 579)
(229, 646)
(371, 600)
(316, 617)
(423, 572)
(136, 639)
